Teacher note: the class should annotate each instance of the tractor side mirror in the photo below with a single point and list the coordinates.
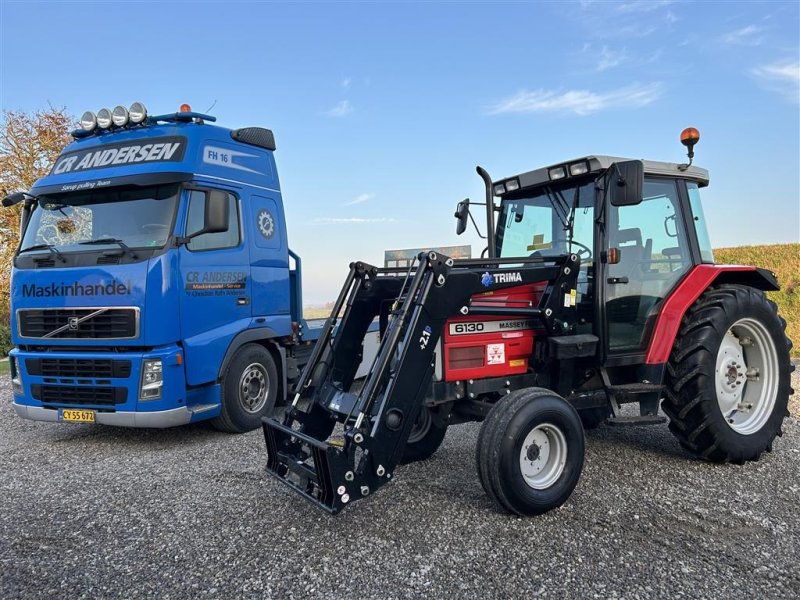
(625, 183)
(462, 213)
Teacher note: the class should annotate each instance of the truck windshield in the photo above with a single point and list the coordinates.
(539, 224)
(137, 217)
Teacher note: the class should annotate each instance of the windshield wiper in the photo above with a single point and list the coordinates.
(123, 245)
(50, 247)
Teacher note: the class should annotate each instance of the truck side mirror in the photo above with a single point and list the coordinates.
(215, 218)
(625, 183)
(216, 215)
(462, 213)
(13, 199)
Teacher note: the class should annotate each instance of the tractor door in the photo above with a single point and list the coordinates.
(654, 253)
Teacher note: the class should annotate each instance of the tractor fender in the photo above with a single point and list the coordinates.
(688, 290)
(264, 336)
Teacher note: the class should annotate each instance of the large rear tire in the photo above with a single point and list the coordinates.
(249, 390)
(530, 451)
(592, 418)
(728, 377)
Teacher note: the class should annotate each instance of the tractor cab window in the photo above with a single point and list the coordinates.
(706, 253)
(653, 255)
(539, 224)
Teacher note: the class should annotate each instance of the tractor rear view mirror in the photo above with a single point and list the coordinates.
(462, 214)
(625, 182)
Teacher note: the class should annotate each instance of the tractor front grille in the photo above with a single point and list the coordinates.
(78, 323)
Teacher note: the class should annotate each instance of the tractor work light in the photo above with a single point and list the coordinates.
(152, 380)
(137, 113)
(557, 173)
(104, 118)
(120, 116)
(499, 189)
(580, 168)
(185, 108)
(512, 185)
(88, 121)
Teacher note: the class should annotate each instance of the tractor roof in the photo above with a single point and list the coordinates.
(599, 163)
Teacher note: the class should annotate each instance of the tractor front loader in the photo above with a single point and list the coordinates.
(336, 445)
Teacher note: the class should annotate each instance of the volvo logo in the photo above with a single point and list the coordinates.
(73, 323)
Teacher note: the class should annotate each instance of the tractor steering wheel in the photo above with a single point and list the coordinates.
(584, 252)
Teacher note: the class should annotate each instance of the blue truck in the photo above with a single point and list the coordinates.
(154, 285)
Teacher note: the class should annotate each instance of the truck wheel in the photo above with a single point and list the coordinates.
(425, 439)
(530, 451)
(592, 418)
(249, 390)
(728, 377)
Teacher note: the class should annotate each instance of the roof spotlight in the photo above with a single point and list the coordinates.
(104, 120)
(88, 121)
(137, 113)
(120, 116)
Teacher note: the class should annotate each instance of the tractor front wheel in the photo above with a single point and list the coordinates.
(530, 451)
(728, 377)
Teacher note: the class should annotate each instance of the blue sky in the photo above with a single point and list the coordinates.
(381, 111)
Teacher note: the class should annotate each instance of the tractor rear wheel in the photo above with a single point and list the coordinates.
(592, 418)
(530, 451)
(426, 437)
(728, 377)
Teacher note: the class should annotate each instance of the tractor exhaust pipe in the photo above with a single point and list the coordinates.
(487, 181)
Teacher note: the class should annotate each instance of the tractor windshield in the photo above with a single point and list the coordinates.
(540, 224)
(138, 217)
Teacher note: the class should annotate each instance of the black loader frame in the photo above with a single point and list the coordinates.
(335, 443)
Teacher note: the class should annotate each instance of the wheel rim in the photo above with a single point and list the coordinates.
(543, 456)
(746, 376)
(421, 426)
(253, 388)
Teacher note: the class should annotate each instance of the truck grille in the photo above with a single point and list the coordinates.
(79, 395)
(78, 368)
(78, 323)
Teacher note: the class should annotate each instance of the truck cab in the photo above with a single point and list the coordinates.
(154, 285)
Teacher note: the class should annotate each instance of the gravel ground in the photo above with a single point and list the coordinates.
(93, 511)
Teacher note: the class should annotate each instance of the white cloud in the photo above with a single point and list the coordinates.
(346, 82)
(642, 5)
(580, 102)
(781, 76)
(355, 220)
(609, 59)
(340, 109)
(746, 36)
(360, 199)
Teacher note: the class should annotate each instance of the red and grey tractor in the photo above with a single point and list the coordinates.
(598, 288)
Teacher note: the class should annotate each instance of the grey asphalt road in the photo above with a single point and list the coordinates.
(93, 511)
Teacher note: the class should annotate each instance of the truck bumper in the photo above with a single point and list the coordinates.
(153, 419)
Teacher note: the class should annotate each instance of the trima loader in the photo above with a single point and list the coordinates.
(598, 288)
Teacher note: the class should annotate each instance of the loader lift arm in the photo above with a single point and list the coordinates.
(333, 445)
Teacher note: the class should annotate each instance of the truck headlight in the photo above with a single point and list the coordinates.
(152, 380)
(16, 378)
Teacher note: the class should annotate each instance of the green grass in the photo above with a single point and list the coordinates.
(4, 368)
(784, 261)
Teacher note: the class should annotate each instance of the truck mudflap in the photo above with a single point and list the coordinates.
(336, 444)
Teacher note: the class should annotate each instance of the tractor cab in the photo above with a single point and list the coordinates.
(633, 249)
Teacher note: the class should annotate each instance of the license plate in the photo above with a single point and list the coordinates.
(72, 415)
